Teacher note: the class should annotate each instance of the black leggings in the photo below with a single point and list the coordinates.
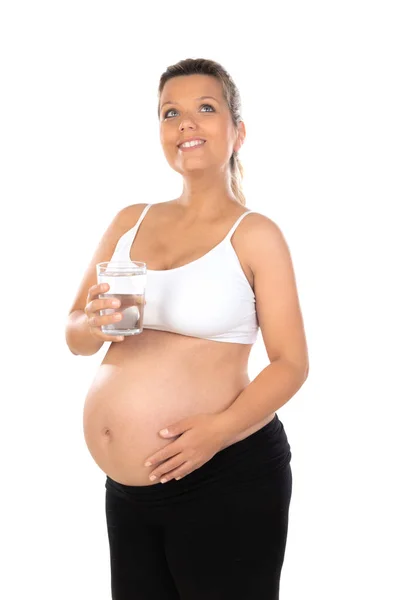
(219, 533)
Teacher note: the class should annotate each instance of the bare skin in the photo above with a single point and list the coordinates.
(156, 378)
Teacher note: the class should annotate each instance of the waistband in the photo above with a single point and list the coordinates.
(265, 451)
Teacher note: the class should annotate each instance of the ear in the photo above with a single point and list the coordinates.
(240, 136)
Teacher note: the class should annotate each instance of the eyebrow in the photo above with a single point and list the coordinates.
(200, 98)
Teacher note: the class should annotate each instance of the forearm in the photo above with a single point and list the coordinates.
(270, 390)
(78, 337)
(241, 435)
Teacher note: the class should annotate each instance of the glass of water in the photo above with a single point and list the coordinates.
(127, 281)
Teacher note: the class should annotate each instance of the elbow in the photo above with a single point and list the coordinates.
(70, 349)
(303, 370)
(68, 341)
(300, 368)
(306, 370)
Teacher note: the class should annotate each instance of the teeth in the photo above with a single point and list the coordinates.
(190, 144)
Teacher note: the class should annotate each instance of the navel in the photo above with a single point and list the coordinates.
(106, 432)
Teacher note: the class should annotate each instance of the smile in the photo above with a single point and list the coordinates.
(192, 146)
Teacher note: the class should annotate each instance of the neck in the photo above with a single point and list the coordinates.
(207, 197)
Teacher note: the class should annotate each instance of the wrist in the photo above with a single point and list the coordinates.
(222, 425)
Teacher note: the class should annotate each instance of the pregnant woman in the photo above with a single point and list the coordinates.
(199, 512)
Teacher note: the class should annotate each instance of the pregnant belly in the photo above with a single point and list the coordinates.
(126, 407)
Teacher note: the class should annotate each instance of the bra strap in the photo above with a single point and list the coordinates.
(237, 223)
(142, 216)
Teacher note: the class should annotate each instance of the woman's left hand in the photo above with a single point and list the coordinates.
(200, 438)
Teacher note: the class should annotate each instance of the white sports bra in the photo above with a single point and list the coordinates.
(208, 298)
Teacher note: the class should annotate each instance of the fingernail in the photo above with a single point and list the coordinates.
(152, 477)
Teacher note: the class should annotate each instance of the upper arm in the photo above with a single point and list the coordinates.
(277, 302)
(124, 220)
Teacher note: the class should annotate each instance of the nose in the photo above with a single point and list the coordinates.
(186, 124)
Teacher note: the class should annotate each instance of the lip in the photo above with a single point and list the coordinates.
(192, 139)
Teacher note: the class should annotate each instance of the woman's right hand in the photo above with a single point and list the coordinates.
(93, 305)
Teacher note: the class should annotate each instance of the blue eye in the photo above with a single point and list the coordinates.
(171, 109)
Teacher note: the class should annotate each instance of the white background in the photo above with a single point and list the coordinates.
(319, 83)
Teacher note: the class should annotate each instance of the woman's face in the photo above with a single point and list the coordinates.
(184, 114)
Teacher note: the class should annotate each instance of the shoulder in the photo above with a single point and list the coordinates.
(132, 212)
(127, 217)
(260, 224)
(260, 237)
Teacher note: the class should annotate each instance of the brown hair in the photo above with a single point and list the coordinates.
(202, 66)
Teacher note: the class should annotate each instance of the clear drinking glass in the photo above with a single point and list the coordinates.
(127, 281)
